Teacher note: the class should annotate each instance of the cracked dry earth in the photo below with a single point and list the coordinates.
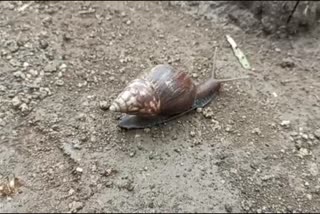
(254, 149)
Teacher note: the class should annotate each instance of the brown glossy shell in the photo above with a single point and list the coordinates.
(162, 91)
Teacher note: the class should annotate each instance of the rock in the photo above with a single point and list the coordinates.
(24, 107)
(59, 83)
(3, 88)
(63, 67)
(25, 64)
(13, 46)
(313, 169)
(287, 63)
(75, 206)
(16, 102)
(207, 112)
(104, 105)
(19, 74)
(285, 123)
(293, 134)
(194, 75)
(132, 154)
(51, 67)
(256, 131)
(192, 134)
(33, 72)
(78, 169)
(317, 133)
(43, 44)
(14, 63)
(108, 184)
(228, 128)
(303, 152)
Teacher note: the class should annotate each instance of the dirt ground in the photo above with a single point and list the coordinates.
(254, 149)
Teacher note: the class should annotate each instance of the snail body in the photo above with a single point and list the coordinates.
(162, 95)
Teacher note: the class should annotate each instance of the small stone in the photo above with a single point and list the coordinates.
(228, 128)
(317, 133)
(207, 113)
(25, 65)
(78, 169)
(71, 192)
(287, 63)
(43, 44)
(33, 72)
(199, 110)
(256, 131)
(192, 134)
(108, 184)
(293, 134)
(3, 88)
(77, 146)
(194, 75)
(24, 107)
(304, 136)
(309, 197)
(51, 67)
(285, 123)
(132, 154)
(59, 83)
(311, 137)
(277, 49)
(16, 102)
(19, 74)
(303, 152)
(63, 66)
(75, 206)
(14, 62)
(104, 105)
(128, 22)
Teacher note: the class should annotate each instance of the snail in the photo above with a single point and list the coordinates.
(161, 95)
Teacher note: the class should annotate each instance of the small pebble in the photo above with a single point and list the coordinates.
(285, 123)
(78, 169)
(104, 105)
(23, 107)
(132, 154)
(256, 131)
(192, 134)
(309, 197)
(59, 83)
(16, 102)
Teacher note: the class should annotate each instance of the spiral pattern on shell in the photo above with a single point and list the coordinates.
(137, 98)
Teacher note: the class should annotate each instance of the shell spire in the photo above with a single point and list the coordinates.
(138, 98)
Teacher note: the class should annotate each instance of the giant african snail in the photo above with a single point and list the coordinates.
(162, 95)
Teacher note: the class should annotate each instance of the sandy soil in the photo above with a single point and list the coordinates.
(254, 149)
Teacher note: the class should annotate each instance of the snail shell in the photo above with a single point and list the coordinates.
(162, 91)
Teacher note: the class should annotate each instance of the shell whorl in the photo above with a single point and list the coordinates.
(137, 98)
